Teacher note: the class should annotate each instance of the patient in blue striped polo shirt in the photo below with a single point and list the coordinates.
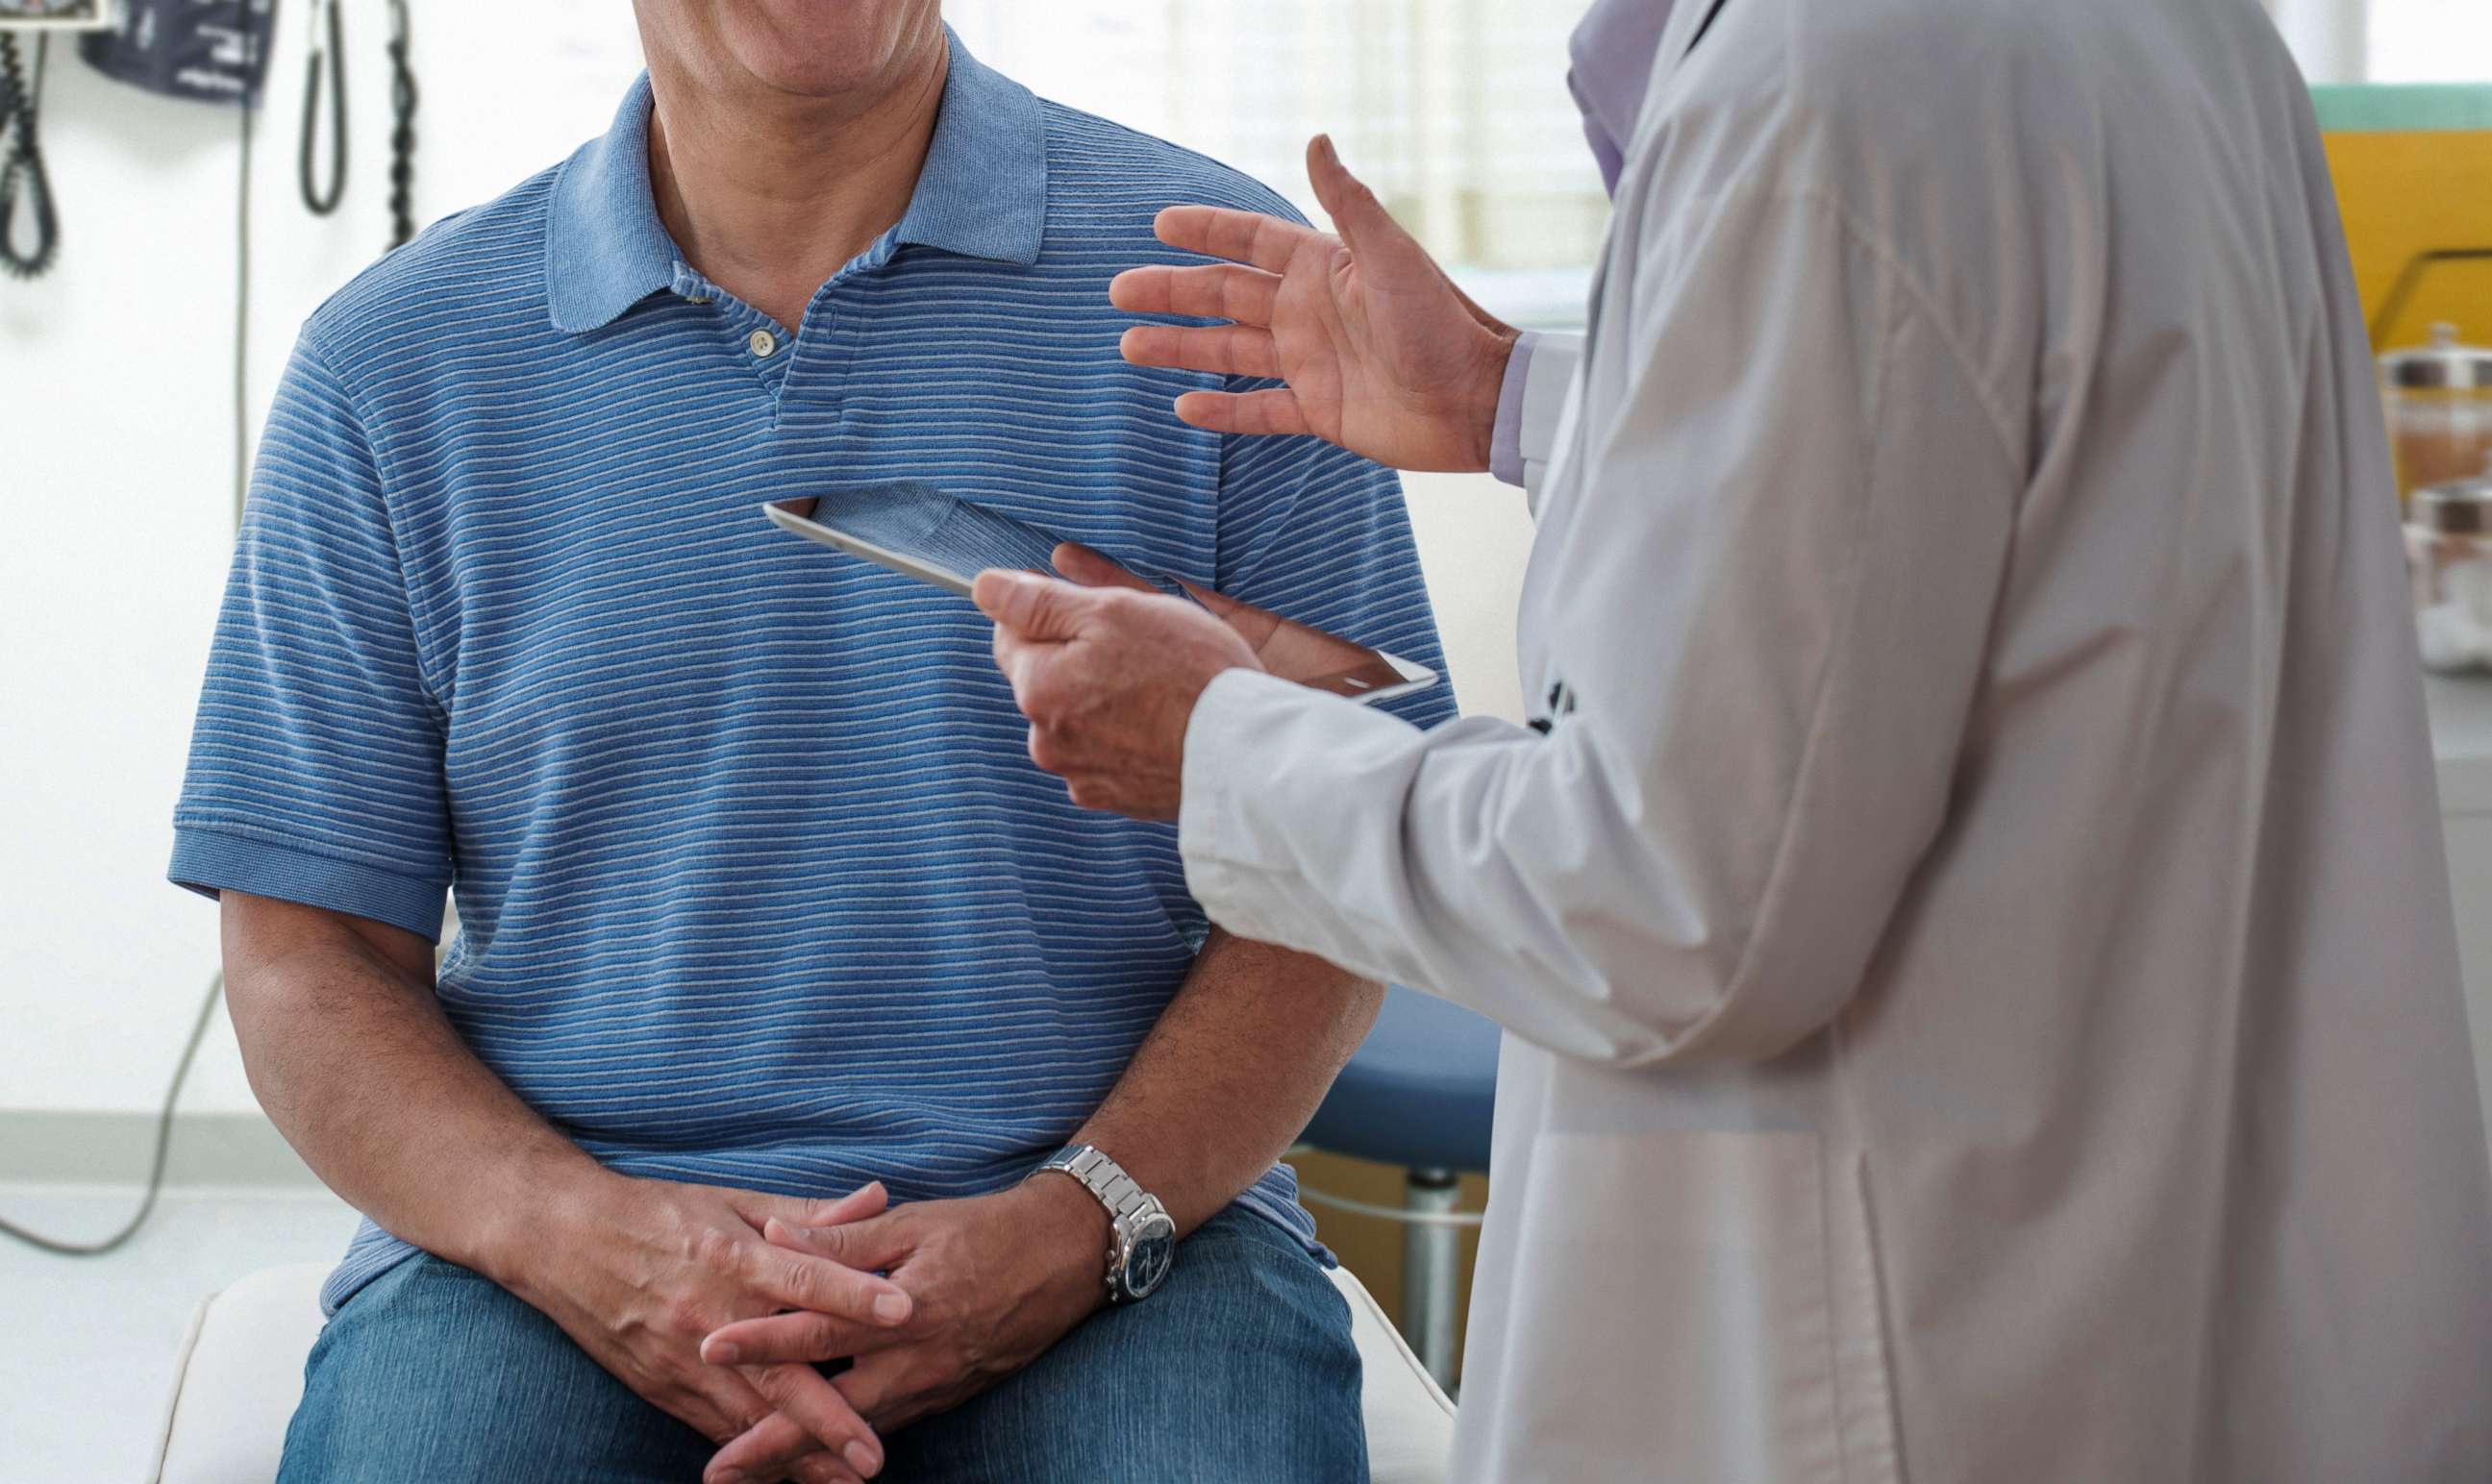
(781, 971)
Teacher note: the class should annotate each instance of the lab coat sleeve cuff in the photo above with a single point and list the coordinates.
(1505, 440)
(1223, 776)
(1547, 378)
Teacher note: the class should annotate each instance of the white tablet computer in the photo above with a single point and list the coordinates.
(919, 531)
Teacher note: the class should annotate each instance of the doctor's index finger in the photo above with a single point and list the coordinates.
(1223, 351)
(1240, 236)
(1204, 290)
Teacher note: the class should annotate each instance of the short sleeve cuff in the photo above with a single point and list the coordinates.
(1505, 441)
(211, 861)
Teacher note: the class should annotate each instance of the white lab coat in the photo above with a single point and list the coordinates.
(1977, 956)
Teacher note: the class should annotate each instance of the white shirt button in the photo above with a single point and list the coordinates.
(763, 341)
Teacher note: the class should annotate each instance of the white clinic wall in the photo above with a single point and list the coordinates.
(115, 458)
(2329, 38)
(2428, 40)
(116, 486)
(2387, 41)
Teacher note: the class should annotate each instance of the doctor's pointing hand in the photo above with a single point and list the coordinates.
(1969, 914)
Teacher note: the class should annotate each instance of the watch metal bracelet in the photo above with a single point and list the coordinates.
(1132, 1214)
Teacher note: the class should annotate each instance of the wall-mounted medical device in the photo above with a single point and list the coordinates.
(185, 48)
(72, 15)
(30, 224)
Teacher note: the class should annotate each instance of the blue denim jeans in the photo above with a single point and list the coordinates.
(1240, 1367)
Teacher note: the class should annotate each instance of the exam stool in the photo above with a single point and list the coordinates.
(240, 1374)
(1420, 1092)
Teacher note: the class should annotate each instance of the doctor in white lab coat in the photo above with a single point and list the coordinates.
(1970, 918)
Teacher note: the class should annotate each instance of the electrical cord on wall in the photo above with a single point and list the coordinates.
(155, 1167)
(241, 314)
(217, 981)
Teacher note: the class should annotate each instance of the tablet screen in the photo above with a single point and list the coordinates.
(922, 532)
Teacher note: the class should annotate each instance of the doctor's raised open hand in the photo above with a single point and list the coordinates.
(1380, 352)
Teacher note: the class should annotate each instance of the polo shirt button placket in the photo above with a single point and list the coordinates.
(769, 351)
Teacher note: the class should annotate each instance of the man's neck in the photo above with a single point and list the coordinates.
(769, 194)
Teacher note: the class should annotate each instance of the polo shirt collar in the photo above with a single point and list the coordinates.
(981, 192)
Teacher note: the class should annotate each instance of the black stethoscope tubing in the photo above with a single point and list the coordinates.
(22, 176)
(334, 54)
(402, 98)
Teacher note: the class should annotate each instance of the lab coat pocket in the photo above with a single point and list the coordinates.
(1703, 1302)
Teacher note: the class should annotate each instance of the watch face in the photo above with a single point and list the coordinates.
(1148, 1261)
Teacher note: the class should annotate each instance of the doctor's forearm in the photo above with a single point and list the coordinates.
(1498, 874)
(1232, 1072)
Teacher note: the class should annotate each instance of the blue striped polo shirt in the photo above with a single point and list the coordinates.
(757, 884)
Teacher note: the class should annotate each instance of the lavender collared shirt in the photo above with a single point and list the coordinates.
(1611, 55)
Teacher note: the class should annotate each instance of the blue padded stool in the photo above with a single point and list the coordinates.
(1419, 1094)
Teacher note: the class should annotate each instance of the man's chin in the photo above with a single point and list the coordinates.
(810, 48)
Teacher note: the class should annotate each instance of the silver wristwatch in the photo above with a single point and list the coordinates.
(1143, 1240)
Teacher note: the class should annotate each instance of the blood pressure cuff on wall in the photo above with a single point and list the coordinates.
(214, 50)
